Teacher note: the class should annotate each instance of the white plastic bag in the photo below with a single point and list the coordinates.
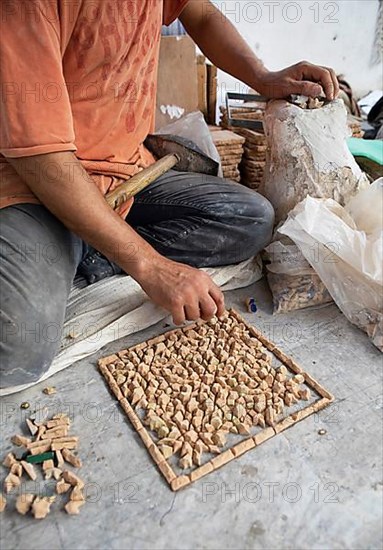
(366, 208)
(347, 258)
(194, 127)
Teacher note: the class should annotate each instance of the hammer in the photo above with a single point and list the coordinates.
(141, 180)
(172, 151)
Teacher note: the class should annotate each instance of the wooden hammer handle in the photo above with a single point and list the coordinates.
(141, 180)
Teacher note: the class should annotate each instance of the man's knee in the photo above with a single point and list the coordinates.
(27, 348)
(253, 222)
(263, 217)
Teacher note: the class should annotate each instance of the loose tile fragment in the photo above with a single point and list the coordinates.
(9, 460)
(49, 390)
(17, 469)
(56, 473)
(64, 443)
(62, 486)
(24, 503)
(20, 440)
(41, 506)
(59, 459)
(77, 494)
(71, 458)
(31, 426)
(48, 465)
(70, 477)
(11, 482)
(73, 506)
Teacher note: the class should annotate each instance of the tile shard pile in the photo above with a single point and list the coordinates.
(199, 387)
(50, 445)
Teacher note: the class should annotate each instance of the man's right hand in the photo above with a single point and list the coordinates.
(188, 293)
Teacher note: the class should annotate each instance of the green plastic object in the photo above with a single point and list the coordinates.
(36, 459)
(368, 148)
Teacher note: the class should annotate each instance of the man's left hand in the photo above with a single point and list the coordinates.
(304, 78)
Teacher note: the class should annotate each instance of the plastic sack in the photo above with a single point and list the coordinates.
(292, 281)
(193, 126)
(308, 155)
(348, 260)
(366, 209)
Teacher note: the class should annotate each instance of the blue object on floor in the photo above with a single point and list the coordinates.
(251, 305)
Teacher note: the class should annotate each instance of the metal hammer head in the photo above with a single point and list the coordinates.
(192, 159)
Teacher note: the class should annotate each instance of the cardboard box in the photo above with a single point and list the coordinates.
(177, 91)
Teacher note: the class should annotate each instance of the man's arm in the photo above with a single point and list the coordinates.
(36, 137)
(76, 201)
(223, 45)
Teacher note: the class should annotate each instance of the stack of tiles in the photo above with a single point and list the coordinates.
(253, 162)
(254, 158)
(230, 149)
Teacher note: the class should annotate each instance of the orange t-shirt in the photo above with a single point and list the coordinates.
(79, 75)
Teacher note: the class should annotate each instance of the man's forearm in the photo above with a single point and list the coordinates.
(72, 196)
(220, 41)
(224, 46)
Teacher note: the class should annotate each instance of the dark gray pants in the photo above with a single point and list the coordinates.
(192, 218)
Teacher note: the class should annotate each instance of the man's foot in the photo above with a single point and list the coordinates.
(96, 267)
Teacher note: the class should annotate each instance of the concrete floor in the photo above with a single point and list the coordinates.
(299, 490)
